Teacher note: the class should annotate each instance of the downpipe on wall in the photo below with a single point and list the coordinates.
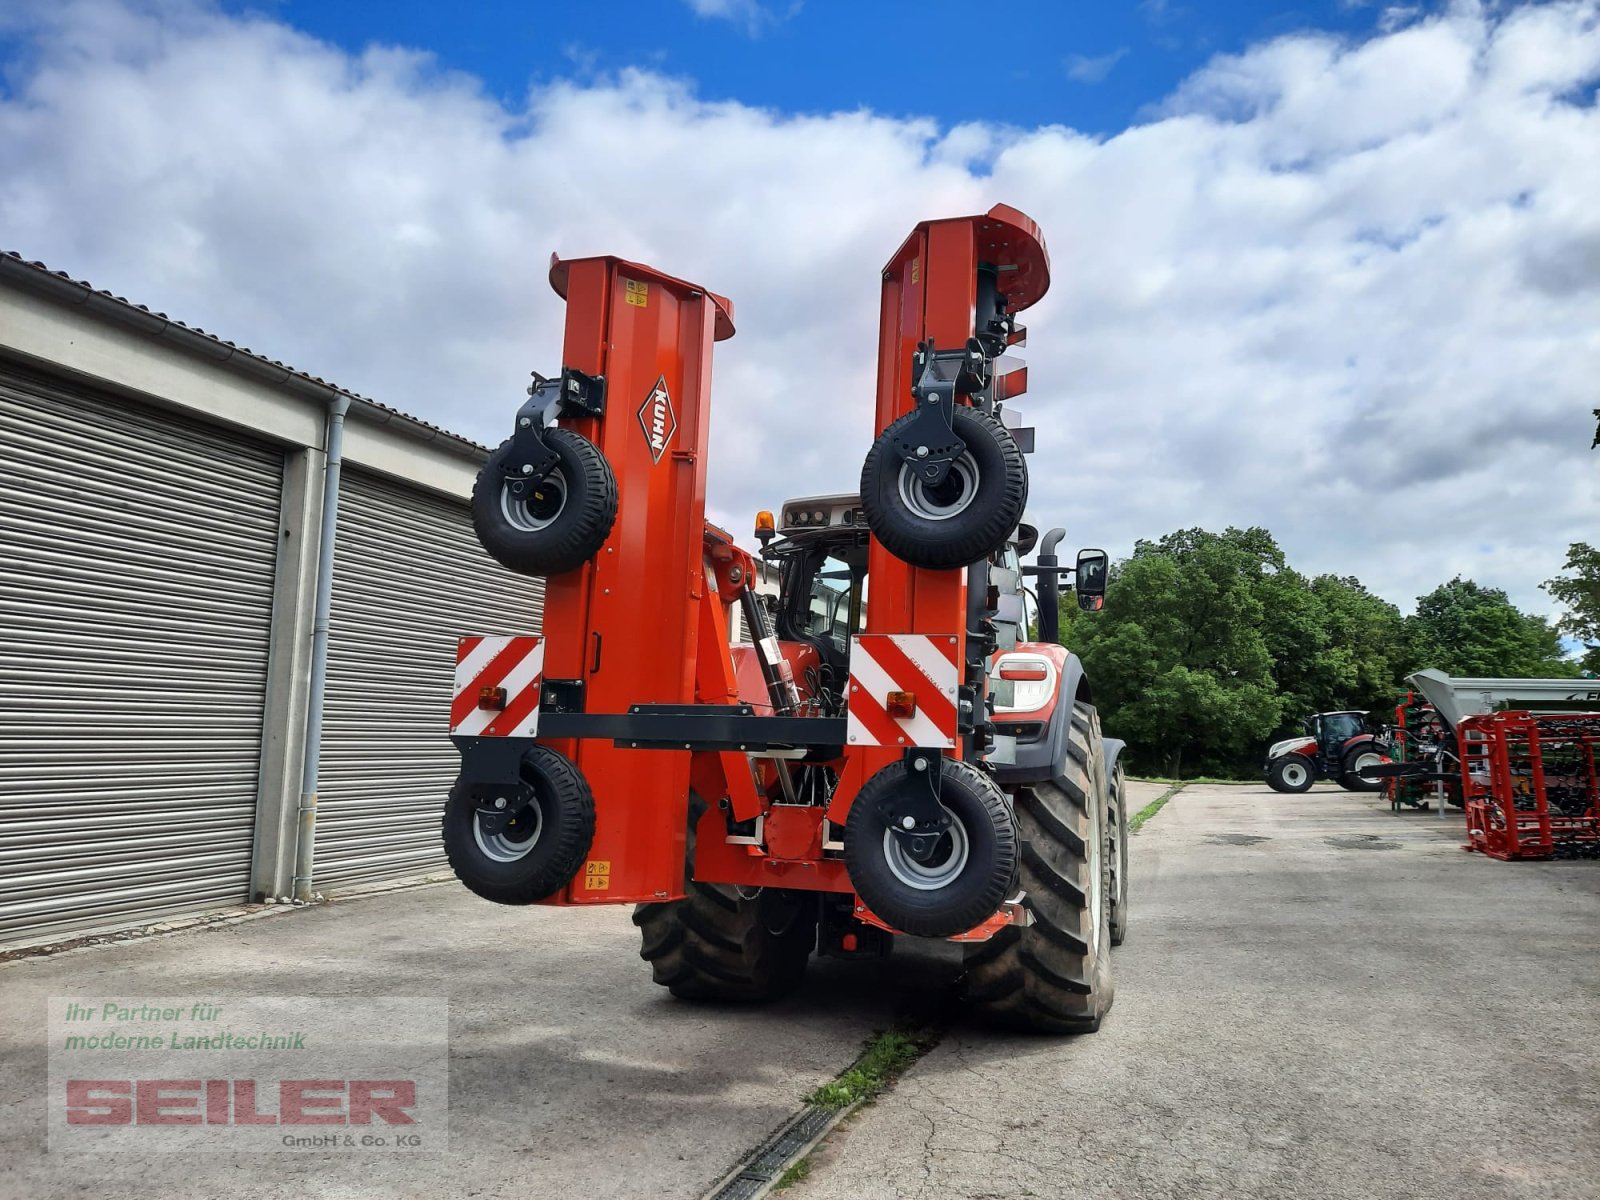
(306, 838)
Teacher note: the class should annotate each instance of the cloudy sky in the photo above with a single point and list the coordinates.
(1335, 270)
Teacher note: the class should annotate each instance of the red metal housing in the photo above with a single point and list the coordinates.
(646, 622)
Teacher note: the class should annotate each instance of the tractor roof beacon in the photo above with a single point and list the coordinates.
(858, 771)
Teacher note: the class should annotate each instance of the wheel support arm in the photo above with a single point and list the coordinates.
(531, 458)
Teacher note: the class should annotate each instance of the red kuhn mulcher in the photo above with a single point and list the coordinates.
(912, 765)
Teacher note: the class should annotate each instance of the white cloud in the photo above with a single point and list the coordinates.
(1347, 291)
(754, 15)
(1083, 69)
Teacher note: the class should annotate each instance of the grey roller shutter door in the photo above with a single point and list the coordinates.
(409, 578)
(135, 620)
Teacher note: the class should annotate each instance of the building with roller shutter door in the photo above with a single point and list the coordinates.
(161, 507)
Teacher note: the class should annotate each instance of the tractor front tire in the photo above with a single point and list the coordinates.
(1118, 826)
(1291, 773)
(968, 516)
(541, 847)
(718, 943)
(972, 871)
(1054, 976)
(563, 522)
(1364, 755)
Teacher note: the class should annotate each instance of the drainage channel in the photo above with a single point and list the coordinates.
(791, 1142)
(869, 1076)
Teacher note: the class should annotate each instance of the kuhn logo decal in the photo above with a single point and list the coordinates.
(658, 420)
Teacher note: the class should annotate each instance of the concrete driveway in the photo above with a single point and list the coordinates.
(1317, 998)
(571, 1074)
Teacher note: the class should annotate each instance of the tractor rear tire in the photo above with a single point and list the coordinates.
(719, 944)
(1350, 777)
(543, 846)
(563, 524)
(1054, 976)
(974, 867)
(1118, 826)
(1291, 773)
(966, 518)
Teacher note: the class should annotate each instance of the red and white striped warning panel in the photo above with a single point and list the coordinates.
(498, 681)
(903, 690)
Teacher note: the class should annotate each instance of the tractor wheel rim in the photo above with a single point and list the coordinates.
(950, 499)
(1370, 759)
(949, 859)
(538, 511)
(506, 849)
(1118, 847)
(1294, 774)
(780, 913)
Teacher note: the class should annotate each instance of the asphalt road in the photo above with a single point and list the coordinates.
(571, 1074)
(1317, 998)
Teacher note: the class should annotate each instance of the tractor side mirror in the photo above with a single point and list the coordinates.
(1089, 579)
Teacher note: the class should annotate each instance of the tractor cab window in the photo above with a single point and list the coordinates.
(822, 600)
(830, 603)
(1341, 727)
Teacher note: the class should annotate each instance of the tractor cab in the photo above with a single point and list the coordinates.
(819, 548)
(818, 545)
(1333, 731)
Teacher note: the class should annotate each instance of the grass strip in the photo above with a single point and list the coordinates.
(888, 1054)
(1231, 781)
(1155, 806)
(795, 1174)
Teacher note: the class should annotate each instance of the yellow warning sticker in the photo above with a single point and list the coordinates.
(638, 292)
(597, 874)
(916, 269)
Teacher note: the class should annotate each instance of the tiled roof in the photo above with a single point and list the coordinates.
(425, 429)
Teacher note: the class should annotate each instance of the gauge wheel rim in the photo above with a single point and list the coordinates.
(499, 847)
(946, 501)
(539, 511)
(949, 859)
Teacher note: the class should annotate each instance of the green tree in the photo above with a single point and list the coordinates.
(1207, 641)
(1463, 628)
(1177, 657)
(1580, 593)
(1365, 656)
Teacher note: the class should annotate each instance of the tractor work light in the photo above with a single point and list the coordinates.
(492, 699)
(1022, 682)
(902, 706)
(1031, 671)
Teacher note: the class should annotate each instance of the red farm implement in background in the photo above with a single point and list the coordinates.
(1530, 784)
